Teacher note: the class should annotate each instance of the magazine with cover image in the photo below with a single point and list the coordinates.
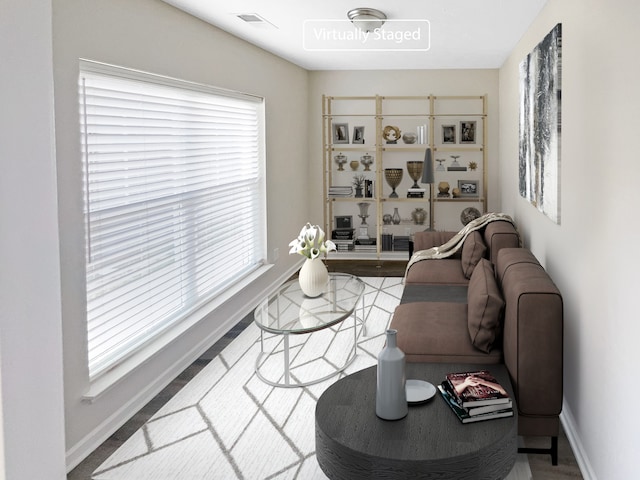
(475, 389)
(463, 414)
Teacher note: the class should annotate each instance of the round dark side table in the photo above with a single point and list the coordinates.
(429, 443)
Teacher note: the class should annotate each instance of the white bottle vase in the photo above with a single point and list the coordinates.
(313, 277)
(391, 394)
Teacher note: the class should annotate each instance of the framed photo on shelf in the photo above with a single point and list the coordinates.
(344, 221)
(448, 134)
(468, 131)
(340, 133)
(468, 188)
(358, 135)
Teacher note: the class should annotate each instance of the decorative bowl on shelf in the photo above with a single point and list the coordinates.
(393, 176)
(366, 160)
(340, 159)
(409, 137)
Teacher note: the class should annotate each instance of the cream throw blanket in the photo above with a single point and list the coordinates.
(455, 244)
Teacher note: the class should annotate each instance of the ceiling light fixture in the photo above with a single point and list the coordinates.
(366, 19)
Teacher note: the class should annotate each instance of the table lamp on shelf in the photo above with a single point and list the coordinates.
(428, 177)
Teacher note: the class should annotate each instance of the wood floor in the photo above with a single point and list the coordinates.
(541, 467)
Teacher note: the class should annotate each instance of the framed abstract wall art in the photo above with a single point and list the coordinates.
(540, 125)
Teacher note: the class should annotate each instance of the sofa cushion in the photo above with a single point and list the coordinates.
(485, 305)
(473, 249)
(446, 271)
(437, 332)
(431, 238)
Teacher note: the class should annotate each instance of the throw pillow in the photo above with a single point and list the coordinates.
(485, 305)
(473, 249)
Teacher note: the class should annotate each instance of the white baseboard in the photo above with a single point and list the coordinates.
(569, 425)
(82, 449)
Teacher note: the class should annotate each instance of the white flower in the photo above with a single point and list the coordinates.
(311, 242)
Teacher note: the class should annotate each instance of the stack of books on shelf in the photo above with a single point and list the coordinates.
(365, 245)
(368, 189)
(400, 243)
(343, 239)
(415, 192)
(387, 242)
(344, 245)
(476, 396)
(340, 191)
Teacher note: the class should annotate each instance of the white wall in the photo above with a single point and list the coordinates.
(152, 36)
(590, 255)
(397, 83)
(31, 391)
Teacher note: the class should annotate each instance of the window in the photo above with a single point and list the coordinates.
(174, 198)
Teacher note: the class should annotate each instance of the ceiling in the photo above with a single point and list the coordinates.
(453, 33)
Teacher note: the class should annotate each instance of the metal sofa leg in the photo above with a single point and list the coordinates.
(553, 450)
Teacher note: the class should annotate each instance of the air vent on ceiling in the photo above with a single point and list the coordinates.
(255, 20)
(251, 18)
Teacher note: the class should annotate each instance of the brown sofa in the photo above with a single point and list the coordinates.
(491, 303)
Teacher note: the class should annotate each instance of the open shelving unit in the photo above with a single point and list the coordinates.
(353, 129)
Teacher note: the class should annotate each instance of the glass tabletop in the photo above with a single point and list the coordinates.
(288, 310)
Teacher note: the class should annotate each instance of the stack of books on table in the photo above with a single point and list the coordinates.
(340, 191)
(476, 396)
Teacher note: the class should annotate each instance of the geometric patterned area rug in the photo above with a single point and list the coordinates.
(226, 423)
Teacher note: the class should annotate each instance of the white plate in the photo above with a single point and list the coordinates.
(419, 391)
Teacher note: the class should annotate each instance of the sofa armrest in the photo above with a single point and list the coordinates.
(499, 235)
(532, 335)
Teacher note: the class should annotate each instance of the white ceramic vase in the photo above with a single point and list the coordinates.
(313, 277)
(391, 393)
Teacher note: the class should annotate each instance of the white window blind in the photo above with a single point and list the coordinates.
(174, 202)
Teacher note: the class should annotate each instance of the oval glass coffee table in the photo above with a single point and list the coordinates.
(288, 312)
(429, 443)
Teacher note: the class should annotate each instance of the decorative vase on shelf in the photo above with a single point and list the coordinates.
(443, 189)
(364, 212)
(393, 176)
(419, 215)
(391, 394)
(313, 277)
(415, 172)
(395, 218)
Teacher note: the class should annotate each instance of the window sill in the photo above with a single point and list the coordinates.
(117, 374)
